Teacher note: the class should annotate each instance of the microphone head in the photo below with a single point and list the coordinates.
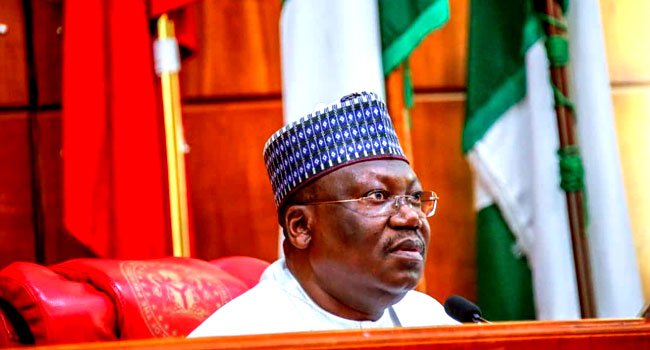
(461, 309)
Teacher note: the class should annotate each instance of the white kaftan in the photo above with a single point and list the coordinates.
(278, 304)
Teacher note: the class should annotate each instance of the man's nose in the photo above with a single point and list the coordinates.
(406, 215)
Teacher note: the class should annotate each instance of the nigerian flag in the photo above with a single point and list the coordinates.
(404, 24)
(334, 47)
(524, 256)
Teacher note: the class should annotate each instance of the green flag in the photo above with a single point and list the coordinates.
(525, 260)
(404, 24)
(501, 32)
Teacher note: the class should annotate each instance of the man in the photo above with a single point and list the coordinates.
(354, 216)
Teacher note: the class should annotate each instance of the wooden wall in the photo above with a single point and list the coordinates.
(232, 102)
(627, 41)
(16, 211)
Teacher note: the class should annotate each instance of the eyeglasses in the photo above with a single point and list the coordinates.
(381, 203)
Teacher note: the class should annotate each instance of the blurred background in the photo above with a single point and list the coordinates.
(231, 88)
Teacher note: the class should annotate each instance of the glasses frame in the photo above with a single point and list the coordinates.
(395, 198)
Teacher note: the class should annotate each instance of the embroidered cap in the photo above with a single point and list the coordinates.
(356, 129)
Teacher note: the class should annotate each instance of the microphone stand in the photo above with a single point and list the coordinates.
(476, 318)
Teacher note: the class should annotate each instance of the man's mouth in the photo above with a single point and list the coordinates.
(409, 248)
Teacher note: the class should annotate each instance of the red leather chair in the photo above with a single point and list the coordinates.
(86, 300)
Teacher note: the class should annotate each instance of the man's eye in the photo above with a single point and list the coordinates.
(377, 195)
(417, 195)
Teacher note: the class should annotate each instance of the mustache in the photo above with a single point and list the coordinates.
(410, 237)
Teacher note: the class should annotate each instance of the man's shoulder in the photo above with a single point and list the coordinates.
(250, 313)
(420, 301)
(269, 307)
(418, 309)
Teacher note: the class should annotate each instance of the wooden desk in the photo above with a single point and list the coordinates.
(585, 334)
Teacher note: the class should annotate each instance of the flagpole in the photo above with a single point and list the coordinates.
(567, 136)
(167, 67)
(398, 111)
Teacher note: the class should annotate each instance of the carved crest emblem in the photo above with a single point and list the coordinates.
(173, 298)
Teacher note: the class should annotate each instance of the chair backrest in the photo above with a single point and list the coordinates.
(9, 336)
(99, 299)
(246, 268)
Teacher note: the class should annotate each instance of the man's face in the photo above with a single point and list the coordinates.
(357, 252)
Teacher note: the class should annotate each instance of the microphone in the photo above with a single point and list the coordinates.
(463, 310)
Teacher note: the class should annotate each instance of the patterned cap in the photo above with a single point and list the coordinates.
(355, 130)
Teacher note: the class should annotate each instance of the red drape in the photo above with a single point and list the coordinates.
(114, 170)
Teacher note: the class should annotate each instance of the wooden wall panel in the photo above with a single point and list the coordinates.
(230, 194)
(50, 167)
(239, 50)
(632, 110)
(48, 49)
(439, 63)
(627, 40)
(441, 166)
(17, 238)
(58, 244)
(13, 62)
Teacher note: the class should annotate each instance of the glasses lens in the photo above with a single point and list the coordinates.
(425, 205)
(429, 207)
(429, 203)
(373, 207)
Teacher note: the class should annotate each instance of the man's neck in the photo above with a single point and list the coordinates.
(359, 306)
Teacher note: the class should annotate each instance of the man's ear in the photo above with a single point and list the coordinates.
(298, 221)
